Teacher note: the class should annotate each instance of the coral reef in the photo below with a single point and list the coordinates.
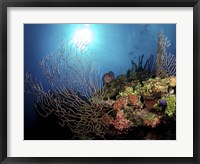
(172, 81)
(140, 72)
(150, 102)
(120, 122)
(108, 107)
(153, 121)
(127, 91)
(171, 105)
(120, 103)
(134, 100)
(167, 104)
(158, 101)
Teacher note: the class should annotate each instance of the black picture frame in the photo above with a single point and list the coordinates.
(4, 4)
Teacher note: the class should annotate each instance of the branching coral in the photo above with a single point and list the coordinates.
(165, 62)
(75, 86)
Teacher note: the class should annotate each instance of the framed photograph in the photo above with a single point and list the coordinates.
(99, 81)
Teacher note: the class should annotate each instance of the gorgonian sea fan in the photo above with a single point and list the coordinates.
(75, 84)
(165, 62)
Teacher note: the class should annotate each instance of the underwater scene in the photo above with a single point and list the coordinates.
(100, 81)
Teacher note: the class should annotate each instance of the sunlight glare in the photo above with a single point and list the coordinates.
(83, 36)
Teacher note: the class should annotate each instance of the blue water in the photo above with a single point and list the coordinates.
(114, 46)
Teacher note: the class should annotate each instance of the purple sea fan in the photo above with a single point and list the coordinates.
(108, 77)
(163, 103)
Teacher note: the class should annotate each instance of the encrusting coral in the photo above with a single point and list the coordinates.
(127, 91)
(158, 102)
(171, 105)
(120, 122)
(120, 103)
